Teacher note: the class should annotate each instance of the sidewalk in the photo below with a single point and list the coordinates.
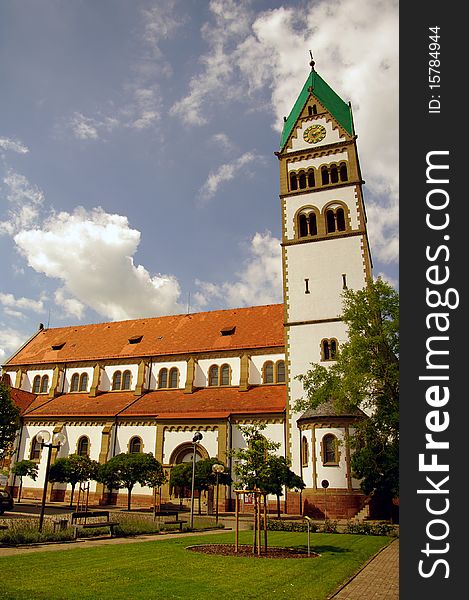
(377, 580)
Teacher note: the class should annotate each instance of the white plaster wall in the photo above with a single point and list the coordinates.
(125, 432)
(273, 431)
(323, 264)
(318, 162)
(332, 135)
(257, 362)
(201, 378)
(28, 378)
(71, 371)
(307, 471)
(335, 475)
(173, 439)
(29, 432)
(156, 367)
(12, 375)
(105, 383)
(319, 199)
(304, 346)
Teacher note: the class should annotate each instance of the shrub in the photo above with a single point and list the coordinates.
(25, 531)
(284, 525)
(370, 528)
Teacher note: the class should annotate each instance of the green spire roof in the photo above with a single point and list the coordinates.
(326, 95)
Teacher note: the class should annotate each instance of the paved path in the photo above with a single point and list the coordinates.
(378, 580)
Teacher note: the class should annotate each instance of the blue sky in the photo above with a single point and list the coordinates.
(137, 172)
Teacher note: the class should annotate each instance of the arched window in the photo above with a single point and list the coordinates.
(173, 377)
(163, 378)
(44, 384)
(343, 172)
(304, 452)
(268, 372)
(83, 382)
(330, 450)
(280, 371)
(117, 380)
(302, 225)
(37, 384)
(340, 218)
(311, 180)
(330, 221)
(334, 174)
(126, 377)
(325, 175)
(35, 453)
(329, 349)
(293, 182)
(213, 375)
(302, 180)
(313, 225)
(135, 445)
(83, 446)
(74, 382)
(225, 375)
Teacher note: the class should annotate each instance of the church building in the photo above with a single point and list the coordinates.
(147, 385)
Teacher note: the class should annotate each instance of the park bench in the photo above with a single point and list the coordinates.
(79, 520)
(170, 513)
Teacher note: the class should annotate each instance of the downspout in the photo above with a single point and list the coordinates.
(230, 458)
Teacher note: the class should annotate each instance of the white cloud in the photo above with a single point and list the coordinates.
(13, 145)
(225, 173)
(90, 253)
(356, 51)
(10, 302)
(25, 201)
(223, 141)
(260, 281)
(10, 341)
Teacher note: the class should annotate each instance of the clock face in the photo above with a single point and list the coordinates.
(314, 134)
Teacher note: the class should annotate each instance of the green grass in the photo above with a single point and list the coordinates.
(164, 569)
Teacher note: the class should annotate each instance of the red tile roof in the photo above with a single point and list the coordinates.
(207, 403)
(255, 327)
(22, 399)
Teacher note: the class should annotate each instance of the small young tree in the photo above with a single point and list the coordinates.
(9, 421)
(73, 469)
(125, 470)
(24, 468)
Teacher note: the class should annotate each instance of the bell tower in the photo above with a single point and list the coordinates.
(324, 250)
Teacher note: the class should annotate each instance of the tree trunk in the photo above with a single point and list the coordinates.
(19, 491)
(278, 506)
(72, 494)
(129, 495)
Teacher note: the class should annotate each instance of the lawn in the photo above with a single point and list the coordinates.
(164, 569)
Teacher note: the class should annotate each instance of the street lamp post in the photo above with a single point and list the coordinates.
(197, 437)
(58, 439)
(217, 469)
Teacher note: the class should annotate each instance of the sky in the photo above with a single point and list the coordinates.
(137, 139)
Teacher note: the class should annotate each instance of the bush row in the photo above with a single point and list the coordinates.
(25, 531)
(332, 527)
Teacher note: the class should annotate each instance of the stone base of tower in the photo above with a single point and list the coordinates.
(333, 503)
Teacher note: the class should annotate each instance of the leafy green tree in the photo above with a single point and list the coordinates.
(9, 420)
(366, 376)
(125, 470)
(252, 466)
(278, 476)
(24, 468)
(73, 469)
(181, 477)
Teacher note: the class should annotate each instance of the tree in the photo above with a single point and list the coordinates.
(181, 476)
(24, 468)
(279, 475)
(366, 376)
(125, 470)
(73, 469)
(9, 420)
